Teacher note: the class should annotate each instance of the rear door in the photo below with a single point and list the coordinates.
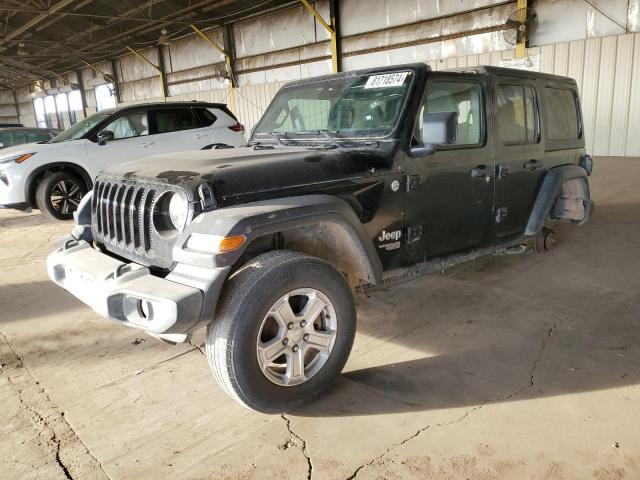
(449, 202)
(520, 153)
(179, 129)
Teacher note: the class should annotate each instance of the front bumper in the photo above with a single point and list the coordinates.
(128, 293)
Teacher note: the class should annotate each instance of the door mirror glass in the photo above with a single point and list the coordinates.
(105, 136)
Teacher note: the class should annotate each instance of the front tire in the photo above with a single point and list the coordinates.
(58, 195)
(282, 332)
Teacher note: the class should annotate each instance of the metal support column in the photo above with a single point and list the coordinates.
(227, 62)
(332, 29)
(116, 80)
(83, 95)
(521, 48)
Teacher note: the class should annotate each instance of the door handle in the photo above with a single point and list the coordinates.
(478, 172)
(146, 144)
(533, 165)
(201, 135)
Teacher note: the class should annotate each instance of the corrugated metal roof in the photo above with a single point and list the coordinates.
(36, 41)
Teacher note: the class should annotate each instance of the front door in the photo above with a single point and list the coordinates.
(449, 203)
(519, 153)
(131, 141)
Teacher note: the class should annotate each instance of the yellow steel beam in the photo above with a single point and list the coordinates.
(108, 77)
(335, 64)
(145, 59)
(227, 64)
(211, 42)
(328, 27)
(521, 48)
(157, 67)
(64, 79)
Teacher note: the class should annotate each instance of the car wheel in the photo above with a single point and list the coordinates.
(58, 195)
(545, 240)
(282, 332)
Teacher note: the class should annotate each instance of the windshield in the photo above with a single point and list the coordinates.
(80, 129)
(344, 107)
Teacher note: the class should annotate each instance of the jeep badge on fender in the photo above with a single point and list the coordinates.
(300, 217)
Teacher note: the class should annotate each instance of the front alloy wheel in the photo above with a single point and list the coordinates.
(59, 193)
(296, 337)
(282, 331)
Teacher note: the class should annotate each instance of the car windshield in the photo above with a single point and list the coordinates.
(359, 106)
(81, 128)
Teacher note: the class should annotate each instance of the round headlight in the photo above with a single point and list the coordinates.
(178, 210)
(170, 213)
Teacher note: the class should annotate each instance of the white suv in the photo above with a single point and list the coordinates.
(55, 175)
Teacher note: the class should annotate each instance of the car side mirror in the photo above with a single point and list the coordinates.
(438, 128)
(105, 136)
(1, 145)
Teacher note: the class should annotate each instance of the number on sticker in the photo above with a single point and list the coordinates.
(386, 80)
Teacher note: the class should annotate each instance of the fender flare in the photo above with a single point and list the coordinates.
(549, 192)
(257, 219)
(28, 185)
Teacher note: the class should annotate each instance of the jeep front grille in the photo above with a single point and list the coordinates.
(122, 220)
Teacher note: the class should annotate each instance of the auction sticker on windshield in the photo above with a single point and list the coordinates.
(386, 80)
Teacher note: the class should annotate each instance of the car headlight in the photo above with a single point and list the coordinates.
(178, 210)
(170, 213)
(17, 158)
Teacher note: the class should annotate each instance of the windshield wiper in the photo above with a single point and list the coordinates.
(328, 134)
(276, 136)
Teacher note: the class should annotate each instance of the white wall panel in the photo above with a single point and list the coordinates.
(633, 123)
(621, 90)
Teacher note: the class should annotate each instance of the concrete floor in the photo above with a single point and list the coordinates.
(524, 366)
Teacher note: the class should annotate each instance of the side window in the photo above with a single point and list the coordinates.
(38, 137)
(562, 119)
(174, 120)
(462, 100)
(517, 114)
(134, 124)
(5, 139)
(19, 138)
(206, 116)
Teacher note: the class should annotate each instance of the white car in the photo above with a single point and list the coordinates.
(54, 176)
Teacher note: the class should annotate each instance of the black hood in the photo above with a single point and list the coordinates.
(243, 171)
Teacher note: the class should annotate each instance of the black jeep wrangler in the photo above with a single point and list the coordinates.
(349, 181)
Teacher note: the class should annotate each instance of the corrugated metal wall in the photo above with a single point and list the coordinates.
(291, 44)
(607, 71)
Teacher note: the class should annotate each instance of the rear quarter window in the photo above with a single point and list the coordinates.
(563, 121)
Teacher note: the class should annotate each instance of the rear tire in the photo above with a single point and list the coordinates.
(58, 195)
(282, 332)
(545, 240)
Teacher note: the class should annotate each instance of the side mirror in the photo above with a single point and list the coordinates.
(105, 136)
(438, 128)
(1, 145)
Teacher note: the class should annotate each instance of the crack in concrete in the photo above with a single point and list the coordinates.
(531, 383)
(45, 425)
(198, 347)
(303, 446)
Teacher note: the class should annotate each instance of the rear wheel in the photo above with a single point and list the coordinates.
(283, 331)
(545, 240)
(59, 193)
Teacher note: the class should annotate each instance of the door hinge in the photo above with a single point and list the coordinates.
(413, 182)
(414, 234)
(501, 214)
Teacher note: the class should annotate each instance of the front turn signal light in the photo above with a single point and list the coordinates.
(229, 244)
(24, 157)
(201, 242)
